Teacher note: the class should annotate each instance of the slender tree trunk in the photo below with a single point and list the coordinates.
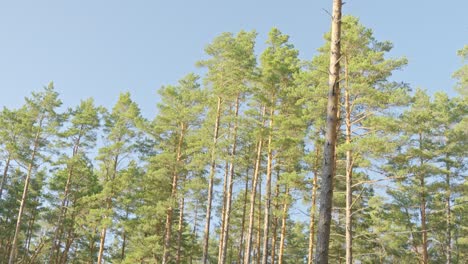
(124, 236)
(349, 178)
(253, 196)
(225, 229)
(210, 184)
(259, 225)
(27, 181)
(5, 174)
(422, 209)
(170, 210)
(102, 240)
(274, 223)
(266, 221)
(284, 216)
(448, 217)
(180, 229)
(326, 194)
(223, 208)
(63, 208)
(244, 210)
(313, 207)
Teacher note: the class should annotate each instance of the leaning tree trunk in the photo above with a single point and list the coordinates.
(326, 194)
(12, 258)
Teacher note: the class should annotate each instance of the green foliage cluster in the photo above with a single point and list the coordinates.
(96, 185)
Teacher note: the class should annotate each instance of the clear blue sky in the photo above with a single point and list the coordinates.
(99, 48)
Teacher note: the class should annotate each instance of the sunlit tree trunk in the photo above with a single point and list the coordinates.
(211, 183)
(170, 210)
(253, 196)
(326, 193)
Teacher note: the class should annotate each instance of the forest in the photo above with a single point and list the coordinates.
(229, 168)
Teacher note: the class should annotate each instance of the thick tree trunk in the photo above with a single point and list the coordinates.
(326, 194)
(27, 181)
(253, 196)
(225, 229)
(210, 184)
(266, 220)
(170, 210)
(313, 207)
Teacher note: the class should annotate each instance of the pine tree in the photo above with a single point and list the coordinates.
(42, 122)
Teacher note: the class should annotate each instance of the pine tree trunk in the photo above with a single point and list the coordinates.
(259, 225)
(223, 208)
(349, 178)
(448, 217)
(253, 196)
(210, 184)
(180, 229)
(63, 209)
(313, 208)
(170, 210)
(227, 212)
(5, 174)
(284, 216)
(27, 181)
(422, 208)
(274, 223)
(326, 194)
(266, 220)
(244, 210)
(102, 241)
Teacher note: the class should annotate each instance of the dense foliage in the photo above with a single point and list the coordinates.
(226, 172)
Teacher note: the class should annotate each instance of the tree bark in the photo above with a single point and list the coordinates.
(211, 183)
(326, 194)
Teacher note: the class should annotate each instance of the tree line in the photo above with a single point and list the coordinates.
(228, 169)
